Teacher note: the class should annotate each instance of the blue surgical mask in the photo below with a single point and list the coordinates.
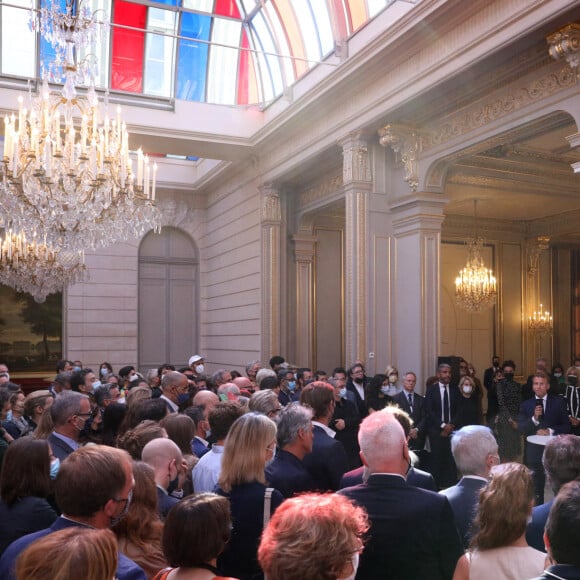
(182, 398)
(291, 385)
(54, 467)
(96, 385)
(76, 369)
(342, 393)
(385, 390)
(104, 372)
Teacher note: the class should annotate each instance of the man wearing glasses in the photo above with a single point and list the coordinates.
(70, 411)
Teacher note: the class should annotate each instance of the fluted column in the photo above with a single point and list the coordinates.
(357, 184)
(304, 252)
(270, 223)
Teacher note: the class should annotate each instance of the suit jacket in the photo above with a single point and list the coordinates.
(412, 535)
(164, 502)
(535, 529)
(418, 415)
(415, 477)
(126, 569)
(433, 407)
(488, 377)
(60, 449)
(288, 475)
(327, 463)
(198, 448)
(360, 403)
(564, 571)
(555, 416)
(464, 499)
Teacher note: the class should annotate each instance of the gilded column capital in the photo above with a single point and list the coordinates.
(405, 141)
(270, 210)
(304, 247)
(355, 159)
(565, 44)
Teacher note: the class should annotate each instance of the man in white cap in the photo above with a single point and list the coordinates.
(196, 365)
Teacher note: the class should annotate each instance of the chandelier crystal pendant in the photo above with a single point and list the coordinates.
(34, 268)
(66, 174)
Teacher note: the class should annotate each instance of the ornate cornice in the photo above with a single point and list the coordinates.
(498, 105)
(565, 43)
(320, 191)
(406, 142)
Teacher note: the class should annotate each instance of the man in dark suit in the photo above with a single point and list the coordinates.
(562, 535)
(475, 452)
(416, 477)
(328, 462)
(413, 535)
(69, 412)
(441, 408)
(93, 488)
(356, 384)
(294, 439)
(542, 415)
(561, 462)
(345, 421)
(490, 372)
(413, 404)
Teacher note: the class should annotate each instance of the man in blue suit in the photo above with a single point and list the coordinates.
(542, 415)
(475, 452)
(412, 534)
(328, 462)
(294, 439)
(93, 488)
(561, 461)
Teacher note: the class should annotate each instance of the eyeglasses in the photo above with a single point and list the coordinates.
(127, 499)
(84, 414)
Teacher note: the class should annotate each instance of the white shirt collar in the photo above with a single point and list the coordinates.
(326, 429)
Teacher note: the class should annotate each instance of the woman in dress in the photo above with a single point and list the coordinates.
(468, 407)
(499, 548)
(509, 398)
(251, 442)
(573, 399)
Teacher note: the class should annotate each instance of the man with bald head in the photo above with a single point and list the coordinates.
(413, 531)
(166, 459)
(175, 390)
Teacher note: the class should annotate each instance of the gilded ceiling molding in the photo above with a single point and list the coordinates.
(565, 44)
(406, 142)
(320, 191)
(484, 112)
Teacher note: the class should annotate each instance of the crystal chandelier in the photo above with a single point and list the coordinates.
(66, 174)
(540, 321)
(34, 268)
(475, 286)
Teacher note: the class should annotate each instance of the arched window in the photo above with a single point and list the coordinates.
(168, 299)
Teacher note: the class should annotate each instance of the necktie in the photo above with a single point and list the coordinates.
(445, 405)
(410, 396)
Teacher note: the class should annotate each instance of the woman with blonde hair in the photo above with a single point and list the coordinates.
(499, 548)
(139, 533)
(70, 553)
(250, 444)
(313, 537)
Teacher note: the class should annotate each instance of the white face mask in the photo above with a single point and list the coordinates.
(355, 559)
(467, 389)
(199, 369)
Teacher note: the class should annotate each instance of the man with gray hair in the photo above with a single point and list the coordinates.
(475, 452)
(561, 462)
(294, 438)
(69, 413)
(413, 535)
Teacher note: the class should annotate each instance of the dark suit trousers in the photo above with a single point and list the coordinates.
(534, 462)
(443, 468)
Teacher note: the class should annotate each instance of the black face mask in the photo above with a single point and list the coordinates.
(573, 380)
(173, 484)
(509, 376)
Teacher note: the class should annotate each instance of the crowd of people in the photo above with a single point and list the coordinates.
(289, 473)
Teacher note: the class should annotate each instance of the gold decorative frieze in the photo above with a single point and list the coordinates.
(506, 103)
(324, 189)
